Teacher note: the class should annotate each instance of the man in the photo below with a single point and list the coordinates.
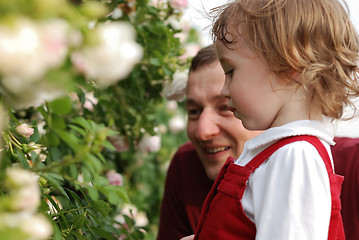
(215, 134)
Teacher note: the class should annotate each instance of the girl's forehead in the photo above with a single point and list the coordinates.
(238, 47)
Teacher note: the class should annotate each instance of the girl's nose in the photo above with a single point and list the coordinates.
(225, 89)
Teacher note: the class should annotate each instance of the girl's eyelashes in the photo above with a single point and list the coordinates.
(229, 73)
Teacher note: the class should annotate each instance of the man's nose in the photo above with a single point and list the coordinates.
(207, 125)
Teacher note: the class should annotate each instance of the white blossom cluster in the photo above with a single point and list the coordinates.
(113, 57)
(22, 202)
(29, 49)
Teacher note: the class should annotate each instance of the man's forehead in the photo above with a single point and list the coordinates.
(198, 101)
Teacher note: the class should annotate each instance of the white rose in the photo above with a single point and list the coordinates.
(18, 178)
(176, 124)
(129, 210)
(90, 101)
(150, 143)
(178, 4)
(26, 198)
(174, 22)
(191, 49)
(28, 49)
(141, 219)
(24, 95)
(20, 48)
(55, 38)
(176, 90)
(113, 58)
(171, 105)
(37, 226)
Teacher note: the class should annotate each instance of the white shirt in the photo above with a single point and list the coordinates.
(288, 196)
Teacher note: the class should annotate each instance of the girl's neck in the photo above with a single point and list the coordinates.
(299, 106)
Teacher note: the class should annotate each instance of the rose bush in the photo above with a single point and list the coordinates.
(84, 115)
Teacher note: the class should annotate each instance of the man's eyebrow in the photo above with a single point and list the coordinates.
(191, 101)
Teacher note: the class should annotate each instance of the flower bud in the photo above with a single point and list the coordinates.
(24, 130)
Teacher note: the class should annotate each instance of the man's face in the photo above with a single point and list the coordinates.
(213, 130)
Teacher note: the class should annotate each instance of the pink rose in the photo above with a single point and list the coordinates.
(178, 4)
(119, 142)
(114, 178)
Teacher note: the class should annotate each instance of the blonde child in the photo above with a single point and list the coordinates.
(291, 68)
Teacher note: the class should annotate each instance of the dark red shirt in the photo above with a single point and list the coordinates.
(186, 188)
(346, 163)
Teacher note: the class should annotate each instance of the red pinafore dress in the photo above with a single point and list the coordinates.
(222, 214)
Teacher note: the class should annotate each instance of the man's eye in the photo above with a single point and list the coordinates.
(193, 113)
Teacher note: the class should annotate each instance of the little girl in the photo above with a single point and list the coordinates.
(291, 68)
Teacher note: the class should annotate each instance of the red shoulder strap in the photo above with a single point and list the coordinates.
(266, 153)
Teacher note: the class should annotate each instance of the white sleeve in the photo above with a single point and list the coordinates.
(289, 195)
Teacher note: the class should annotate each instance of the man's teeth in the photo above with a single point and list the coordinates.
(216, 150)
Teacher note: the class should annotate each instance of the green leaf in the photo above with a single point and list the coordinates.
(79, 236)
(54, 180)
(13, 233)
(69, 138)
(79, 220)
(78, 201)
(115, 194)
(23, 160)
(61, 105)
(108, 145)
(155, 62)
(93, 193)
(58, 122)
(57, 233)
(78, 129)
(101, 206)
(53, 139)
(93, 161)
(64, 223)
(82, 122)
(102, 233)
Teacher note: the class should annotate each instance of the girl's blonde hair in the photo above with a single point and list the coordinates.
(313, 37)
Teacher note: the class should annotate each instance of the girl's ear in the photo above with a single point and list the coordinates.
(294, 77)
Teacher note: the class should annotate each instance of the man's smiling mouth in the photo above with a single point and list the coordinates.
(216, 150)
